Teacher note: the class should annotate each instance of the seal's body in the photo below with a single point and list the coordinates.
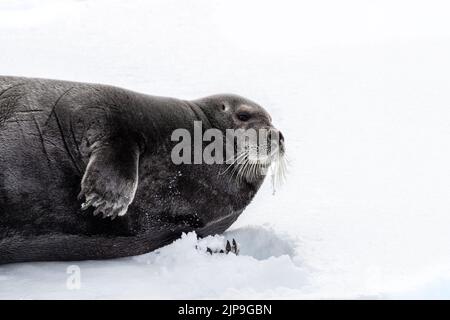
(112, 147)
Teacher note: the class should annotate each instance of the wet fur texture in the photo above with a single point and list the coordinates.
(54, 133)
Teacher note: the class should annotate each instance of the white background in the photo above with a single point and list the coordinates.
(360, 90)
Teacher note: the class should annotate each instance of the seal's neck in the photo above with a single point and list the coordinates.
(197, 109)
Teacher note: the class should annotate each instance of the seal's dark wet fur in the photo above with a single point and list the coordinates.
(47, 132)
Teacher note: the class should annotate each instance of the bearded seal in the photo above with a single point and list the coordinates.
(86, 170)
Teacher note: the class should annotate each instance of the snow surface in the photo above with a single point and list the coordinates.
(361, 91)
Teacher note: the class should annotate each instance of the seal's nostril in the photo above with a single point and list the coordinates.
(281, 137)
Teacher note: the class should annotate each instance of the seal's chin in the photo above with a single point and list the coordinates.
(253, 162)
(253, 167)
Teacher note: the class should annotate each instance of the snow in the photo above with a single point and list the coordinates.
(182, 269)
(361, 92)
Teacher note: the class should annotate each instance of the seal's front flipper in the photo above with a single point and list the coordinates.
(111, 178)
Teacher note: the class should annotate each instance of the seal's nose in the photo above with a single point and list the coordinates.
(280, 137)
(281, 142)
(277, 139)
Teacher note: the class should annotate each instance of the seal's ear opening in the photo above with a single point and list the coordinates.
(224, 107)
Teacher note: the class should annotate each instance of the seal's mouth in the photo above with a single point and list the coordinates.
(259, 155)
(257, 161)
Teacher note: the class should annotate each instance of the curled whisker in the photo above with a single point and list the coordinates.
(279, 171)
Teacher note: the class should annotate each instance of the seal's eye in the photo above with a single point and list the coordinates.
(224, 107)
(243, 116)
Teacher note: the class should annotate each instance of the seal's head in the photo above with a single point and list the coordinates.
(257, 143)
